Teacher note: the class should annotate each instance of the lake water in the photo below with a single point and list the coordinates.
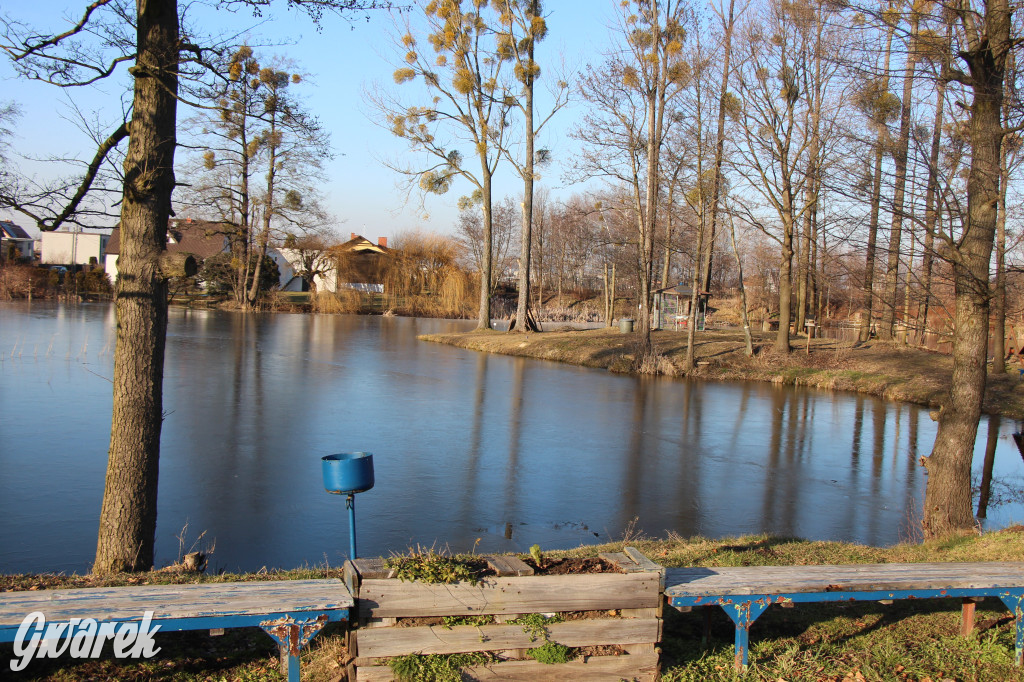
(468, 448)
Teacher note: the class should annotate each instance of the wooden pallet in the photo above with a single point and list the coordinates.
(623, 611)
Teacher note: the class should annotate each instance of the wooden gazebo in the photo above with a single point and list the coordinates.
(672, 308)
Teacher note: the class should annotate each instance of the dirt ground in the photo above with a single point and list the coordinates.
(877, 368)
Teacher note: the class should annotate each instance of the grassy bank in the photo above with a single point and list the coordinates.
(913, 640)
(876, 368)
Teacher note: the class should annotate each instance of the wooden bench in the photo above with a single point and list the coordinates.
(745, 592)
(292, 612)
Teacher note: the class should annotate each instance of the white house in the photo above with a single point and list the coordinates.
(14, 239)
(73, 248)
(290, 263)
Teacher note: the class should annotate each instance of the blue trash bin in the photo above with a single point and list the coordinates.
(348, 472)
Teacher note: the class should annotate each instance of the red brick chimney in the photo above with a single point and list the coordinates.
(382, 241)
(353, 235)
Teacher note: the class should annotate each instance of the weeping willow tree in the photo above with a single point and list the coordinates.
(423, 277)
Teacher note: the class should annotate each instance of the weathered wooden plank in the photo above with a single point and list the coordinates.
(642, 560)
(593, 669)
(640, 613)
(378, 623)
(508, 565)
(177, 601)
(372, 568)
(436, 639)
(639, 649)
(351, 577)
(621, 561)
(528, 594)
(861, 577)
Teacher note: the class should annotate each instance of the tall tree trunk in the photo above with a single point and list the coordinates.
(698, 254)
(932, 204)
(268, 213)
(716, 188)
(812, 186)
(876, 201)
(655, 130)
(785, 283)
(127, 528)
(999, 295)
(743, 291)
(483, 320)
(691, 328)
(892, 269)
(948, 494)
(523, 322)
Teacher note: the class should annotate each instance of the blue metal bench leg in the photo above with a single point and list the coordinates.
(291, 635)
(743, 614)
(705, 639)
(1015, 602)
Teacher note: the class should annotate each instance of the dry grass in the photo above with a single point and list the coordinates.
(21, 281)
(344, 301)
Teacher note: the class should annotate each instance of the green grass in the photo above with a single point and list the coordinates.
(846, 642)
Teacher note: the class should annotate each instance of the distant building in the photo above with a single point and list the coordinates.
(292, 261)
(14, 241)
(672, 308)
(361, 263)
(200, 238)
(74, 248)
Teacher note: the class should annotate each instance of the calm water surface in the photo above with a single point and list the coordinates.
(467, 447)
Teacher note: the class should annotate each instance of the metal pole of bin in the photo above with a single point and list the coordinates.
(348, 473)
(350, 504)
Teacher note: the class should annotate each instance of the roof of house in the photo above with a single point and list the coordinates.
(201, 238)
(12, 231)
(680, 290)
(359, 244)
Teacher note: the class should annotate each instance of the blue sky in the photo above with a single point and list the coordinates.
(344, 59)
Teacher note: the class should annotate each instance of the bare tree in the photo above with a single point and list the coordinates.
(775, 138)
(461, 87)
(522, 27)
(256, 127)
(879, 105)
(900, 154)
(624, 130)
(503, 225)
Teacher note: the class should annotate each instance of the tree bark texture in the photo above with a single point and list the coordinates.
(948, 493)
(484, 314)
(128, 515)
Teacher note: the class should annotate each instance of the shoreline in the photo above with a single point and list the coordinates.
(876, 368)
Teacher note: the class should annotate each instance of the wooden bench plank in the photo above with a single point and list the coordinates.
(176, 601)
(436, 639)
(853, 578)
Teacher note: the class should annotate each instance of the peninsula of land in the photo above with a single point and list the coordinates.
(882, 369)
